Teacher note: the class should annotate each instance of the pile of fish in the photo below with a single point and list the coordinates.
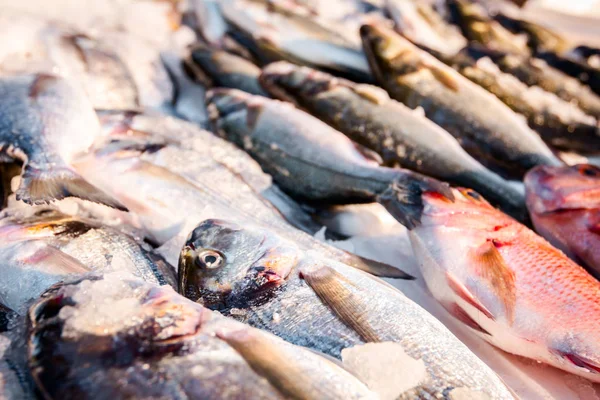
(185, 185)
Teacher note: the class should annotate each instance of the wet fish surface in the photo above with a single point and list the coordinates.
(401, 136)
(175, 349)
(509, 285)
(45, 123)
(41, 249)
(483, 125)
(565, 209)
(268, 282)
(311, 160)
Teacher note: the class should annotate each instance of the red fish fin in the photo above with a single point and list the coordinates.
(464, 293)
(490, 265)
(457, 312)
(595, 228)
(582, 362)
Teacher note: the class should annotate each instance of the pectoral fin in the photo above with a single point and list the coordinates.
(337, 292)
(443, 76)
(376, 268)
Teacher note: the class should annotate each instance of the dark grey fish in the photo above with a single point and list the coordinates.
(483, 125)
(584, 72)
(39, 250)
(401, 136)
(561, 124)
(45, 122)
(537, 72)
(110, 338)
(222, 69)
(539, 38)
(257, 277)
(312, 161)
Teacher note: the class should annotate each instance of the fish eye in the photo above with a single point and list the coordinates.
(210, 259)
(588, 171)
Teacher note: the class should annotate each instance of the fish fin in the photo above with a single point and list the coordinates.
(369, 154)
(594, 228)
(376, 268)
(402, 198)
(39, 186)
(490, 265)
(443, 76)
(272, 359)
(54, 257)
(581, 362)
(334, 290)
(372, 93)
(461, 291)
(460, 314)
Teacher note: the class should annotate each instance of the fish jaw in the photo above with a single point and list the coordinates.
(552, 313)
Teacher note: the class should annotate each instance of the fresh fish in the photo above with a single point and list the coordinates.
(509, 285)
(560, 123)
(309, 159)
(209, 21)
(537, 72)
(586, 73)
(273, 36)
(45, 122)
(46, 247)
(483, 125)
(539, 38)
(479, 27)
(220, 68)
(268, 282)
(172, 188)
(149, 342)
(565, 209)
(401, 136)
(420, 24)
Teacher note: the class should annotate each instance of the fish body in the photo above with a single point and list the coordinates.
(539, 37)
(561, 124)
(484, 126)
(565, 208)
(587, 73)
(308, 158)
(274, 36)
(175, 349)
(509, 285)
(222, 69)
(45, 122)
(400, 135)
(46, 247)
(268, 282)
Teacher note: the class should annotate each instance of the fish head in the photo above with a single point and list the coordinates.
(233, 113)
(551, 189)
(387, 51)
(225, 265)
(287, 81)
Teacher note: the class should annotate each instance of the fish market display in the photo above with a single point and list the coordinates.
(508, 284)
(564, 206)
(483, 125)
(254, 276)
(175, 348)
(299, 199)
(398, 134)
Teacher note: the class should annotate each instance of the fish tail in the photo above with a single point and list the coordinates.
(44, 185)
(403, 197)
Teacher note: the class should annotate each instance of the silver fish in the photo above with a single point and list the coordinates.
(149, 342)
(401, 136)
(45, 122)
(262, 279)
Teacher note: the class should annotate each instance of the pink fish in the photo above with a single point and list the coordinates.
(564, 203)
(508, 284)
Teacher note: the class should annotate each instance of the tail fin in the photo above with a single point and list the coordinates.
(402, 199)
(42, 186)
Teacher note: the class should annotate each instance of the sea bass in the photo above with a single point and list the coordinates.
(401, 136)
(483, 125)
(149, 342)
(45, 122)
(565, 208)
(41, 249)
(509, 285)
(262, 279)
(309, 159)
